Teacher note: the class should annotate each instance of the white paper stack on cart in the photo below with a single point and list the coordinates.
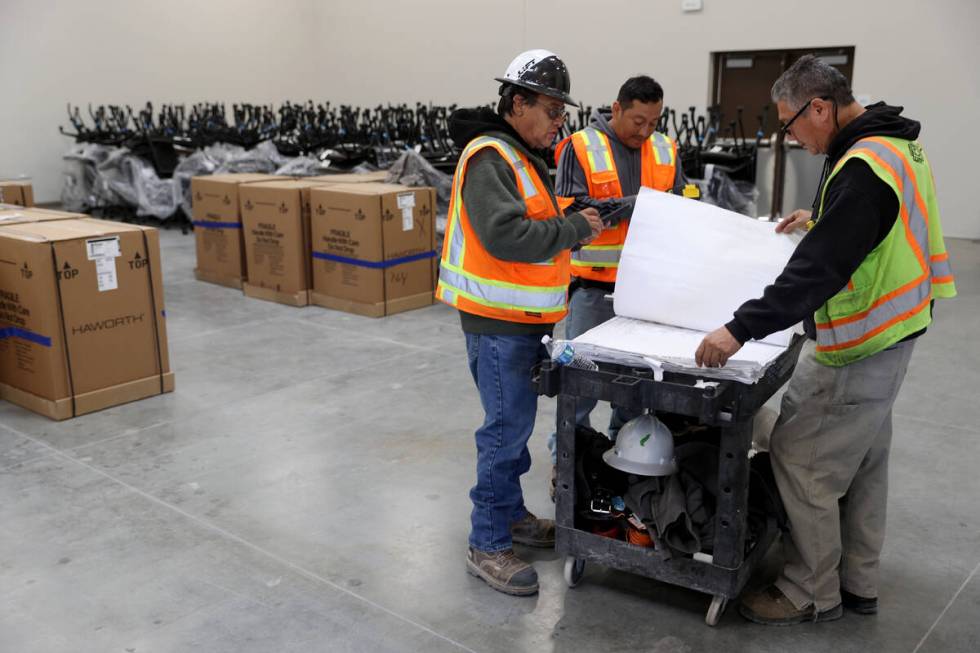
(686, 267)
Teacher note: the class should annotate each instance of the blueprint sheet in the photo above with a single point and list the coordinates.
(691, 264)
(686, 267)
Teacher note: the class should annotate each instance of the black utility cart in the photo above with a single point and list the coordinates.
(727, 405)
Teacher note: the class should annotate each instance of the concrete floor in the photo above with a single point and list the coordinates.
(305, 489)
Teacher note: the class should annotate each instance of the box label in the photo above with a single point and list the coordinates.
(17, 340)
(98, 248)
(104, 252)
(216, 244)
(268, 248)
(406, 202)
(105, 273)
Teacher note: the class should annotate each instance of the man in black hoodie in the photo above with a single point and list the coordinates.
(505, 267)
(849, 280)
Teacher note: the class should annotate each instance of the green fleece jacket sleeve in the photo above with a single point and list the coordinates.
(497, 213)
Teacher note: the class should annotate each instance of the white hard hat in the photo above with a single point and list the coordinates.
(644, 446)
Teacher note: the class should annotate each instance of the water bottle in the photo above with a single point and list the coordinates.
(564, 354)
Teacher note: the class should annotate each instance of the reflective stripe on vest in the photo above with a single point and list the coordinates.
(907, 302)
(942, 272)
(663, 149)
(598, 255)
(456, 282)
(888, 311)
(597, 149)
(454, 232)
(601, 158)
(504, 295)
(888, 156)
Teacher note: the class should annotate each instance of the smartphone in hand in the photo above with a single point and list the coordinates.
(616, 216)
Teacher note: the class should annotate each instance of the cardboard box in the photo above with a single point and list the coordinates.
(276, 219)
(20, 193)
(11, 215)
(373, 247)
(82, 318)
(218, 227)
(351, 178)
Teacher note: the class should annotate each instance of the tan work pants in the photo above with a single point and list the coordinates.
(829, 453)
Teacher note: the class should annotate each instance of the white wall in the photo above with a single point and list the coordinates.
(921, 55)
(130, 51)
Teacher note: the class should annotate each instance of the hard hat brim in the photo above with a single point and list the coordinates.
(541, 90)
(640, 469)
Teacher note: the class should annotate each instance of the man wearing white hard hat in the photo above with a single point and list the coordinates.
(506, 267)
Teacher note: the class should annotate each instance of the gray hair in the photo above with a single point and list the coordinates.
(811, 77)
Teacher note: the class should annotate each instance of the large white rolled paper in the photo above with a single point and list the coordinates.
(627, 341)
(690, 264)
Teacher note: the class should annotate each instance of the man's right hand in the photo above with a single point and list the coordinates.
(795, 220)
(591, 215)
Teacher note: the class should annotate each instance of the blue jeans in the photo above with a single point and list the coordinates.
(501, 367)
(588, 308)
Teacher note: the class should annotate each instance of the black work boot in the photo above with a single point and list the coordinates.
(858, 604)
(503, 571)
(532, 531)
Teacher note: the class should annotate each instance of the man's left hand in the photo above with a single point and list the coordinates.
(716, 348)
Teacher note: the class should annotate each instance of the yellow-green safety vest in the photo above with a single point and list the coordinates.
(888, 298)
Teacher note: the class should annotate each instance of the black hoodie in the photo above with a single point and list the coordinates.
(497, 211)
(859, 211)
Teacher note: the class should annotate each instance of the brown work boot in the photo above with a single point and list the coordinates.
(503, 571)
(532, 531)
(770, 607)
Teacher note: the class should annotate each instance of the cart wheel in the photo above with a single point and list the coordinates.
(715, 610)
(574, 569)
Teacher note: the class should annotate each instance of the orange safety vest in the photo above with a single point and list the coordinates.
(474, 281)
(599, 260)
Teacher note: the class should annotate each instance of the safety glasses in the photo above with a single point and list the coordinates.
(555, 113)
(785, 128)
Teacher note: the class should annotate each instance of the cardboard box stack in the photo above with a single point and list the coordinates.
(82, 319)
(20, 193)
(218, 227)
(366, 248)
(373, 247)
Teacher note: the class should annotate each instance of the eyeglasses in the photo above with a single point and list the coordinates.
(785, 128)
(556, 112)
